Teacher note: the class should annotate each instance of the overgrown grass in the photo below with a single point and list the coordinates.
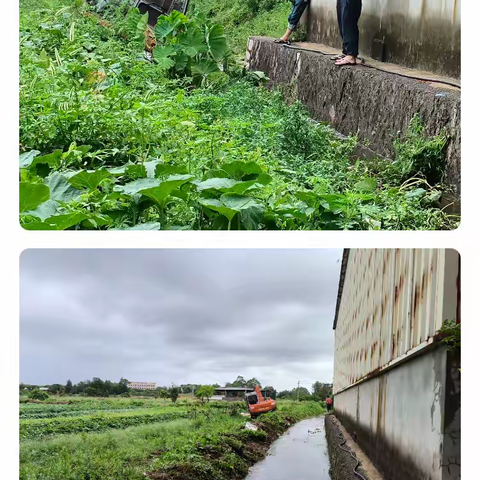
(109, 141)
(242, 19)
(214, 445)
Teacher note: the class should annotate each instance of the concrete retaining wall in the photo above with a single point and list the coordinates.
(416, 33)
(357, 100)
(399, 419)
(341, 463)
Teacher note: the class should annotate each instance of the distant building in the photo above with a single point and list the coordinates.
(396, 385)
(232, 393)
(142, 385)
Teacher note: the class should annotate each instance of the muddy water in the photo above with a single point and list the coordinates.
(300, 454)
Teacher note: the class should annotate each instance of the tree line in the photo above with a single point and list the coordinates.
(320, 392)
(105, 388)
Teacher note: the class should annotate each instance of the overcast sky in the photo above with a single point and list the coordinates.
(181, 316)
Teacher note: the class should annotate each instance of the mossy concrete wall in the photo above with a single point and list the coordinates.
(375, 105)
(342, 463)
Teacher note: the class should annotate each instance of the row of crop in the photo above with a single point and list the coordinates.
(30, 429)
(45, 410)
(38, 411)
(72, 413)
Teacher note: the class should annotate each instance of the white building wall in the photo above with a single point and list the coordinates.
(392, 386)
(422, 34)
(399, 416)
(393, 302)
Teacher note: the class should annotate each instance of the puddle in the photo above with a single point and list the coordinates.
(299, 454)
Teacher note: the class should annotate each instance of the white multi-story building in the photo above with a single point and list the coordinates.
(142, 385)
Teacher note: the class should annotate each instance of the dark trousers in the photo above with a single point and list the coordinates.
(298, 8)
(348, 13)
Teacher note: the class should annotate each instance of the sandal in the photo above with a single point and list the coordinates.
(337, 57)
(343, 61)
(282, 42)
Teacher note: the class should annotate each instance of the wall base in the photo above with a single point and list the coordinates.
(342, 464)
(375, 105)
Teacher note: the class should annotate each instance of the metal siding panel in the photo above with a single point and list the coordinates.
(392, 303)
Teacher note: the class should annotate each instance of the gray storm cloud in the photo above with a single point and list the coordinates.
(178, 316)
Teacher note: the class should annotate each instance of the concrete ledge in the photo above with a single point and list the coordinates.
(341, 463)
(375, 105)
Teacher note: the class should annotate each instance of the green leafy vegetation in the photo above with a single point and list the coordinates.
(37, 428)
(205, 392)
(451, 335)
(191, 140)
(242, 19)
(37, 394)
(212, 443)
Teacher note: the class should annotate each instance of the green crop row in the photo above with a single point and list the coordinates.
(73, 413)
(52, 410)
(46, 427)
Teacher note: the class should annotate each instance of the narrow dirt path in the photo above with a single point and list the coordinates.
(300, 454)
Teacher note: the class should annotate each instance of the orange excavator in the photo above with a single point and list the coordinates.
(257, 404)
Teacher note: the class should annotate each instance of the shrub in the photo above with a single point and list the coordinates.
(37, 394)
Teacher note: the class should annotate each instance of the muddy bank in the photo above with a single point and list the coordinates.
(375, 105)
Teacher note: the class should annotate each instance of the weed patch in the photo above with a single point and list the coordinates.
(191, 141)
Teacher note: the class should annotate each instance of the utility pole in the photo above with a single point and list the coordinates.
(298, 389)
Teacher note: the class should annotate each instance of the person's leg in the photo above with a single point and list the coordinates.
(294, 18)
(350, 15)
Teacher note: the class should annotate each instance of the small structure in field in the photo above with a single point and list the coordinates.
(233, 394)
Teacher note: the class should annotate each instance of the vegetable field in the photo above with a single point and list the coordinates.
(109, 140)
(132, 439)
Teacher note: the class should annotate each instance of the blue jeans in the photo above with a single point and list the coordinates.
(348, 13)
(298, 9)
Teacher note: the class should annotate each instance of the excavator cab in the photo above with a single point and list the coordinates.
(257, 404)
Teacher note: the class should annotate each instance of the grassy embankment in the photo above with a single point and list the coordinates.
(211, 443)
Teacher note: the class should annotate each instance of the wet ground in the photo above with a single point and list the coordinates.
(299, 454)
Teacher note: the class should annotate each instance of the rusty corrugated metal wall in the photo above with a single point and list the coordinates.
(392, 304)
(422, 34)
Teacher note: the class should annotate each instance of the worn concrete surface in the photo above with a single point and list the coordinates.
(415, 33)
(375, 105)
(398, 419)
(341, 463)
